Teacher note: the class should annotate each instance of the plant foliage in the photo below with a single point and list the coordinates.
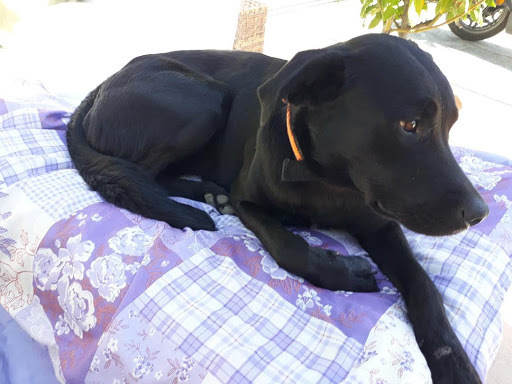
(399, 15)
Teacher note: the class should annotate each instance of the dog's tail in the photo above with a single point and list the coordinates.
(124, 183)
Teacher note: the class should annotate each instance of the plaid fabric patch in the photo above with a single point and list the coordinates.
(59, 194)
(240, 330)
(465, 269)
(27, 150)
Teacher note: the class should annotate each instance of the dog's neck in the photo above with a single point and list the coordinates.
(292, 137)
(303, 168)
(295, 169)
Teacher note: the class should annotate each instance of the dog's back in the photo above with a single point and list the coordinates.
(153, 112)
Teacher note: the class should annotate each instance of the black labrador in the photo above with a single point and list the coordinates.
(352, 136)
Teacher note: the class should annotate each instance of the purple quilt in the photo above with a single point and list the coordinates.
(117, 298)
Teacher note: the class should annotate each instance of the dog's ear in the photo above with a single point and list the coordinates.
(309, 78)
(317, 78)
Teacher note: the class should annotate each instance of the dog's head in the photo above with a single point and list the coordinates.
(377, 111)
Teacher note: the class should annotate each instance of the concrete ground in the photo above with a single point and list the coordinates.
(479, 72)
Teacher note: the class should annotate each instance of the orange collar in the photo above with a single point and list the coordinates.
(293, 140)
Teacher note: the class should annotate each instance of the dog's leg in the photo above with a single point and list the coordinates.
(205, 191)
(445, 356)
(127, 185)
(322, 267)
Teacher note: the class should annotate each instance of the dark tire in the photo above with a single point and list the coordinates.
(459, 29)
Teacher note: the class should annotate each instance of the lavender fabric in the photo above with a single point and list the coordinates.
(115, 297)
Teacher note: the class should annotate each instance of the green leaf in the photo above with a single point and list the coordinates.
(490, 3)
(443, 6)
(363, 12)
(418, 5)
(388, 13)
(367, 10)
(376, 20)
(384, 3)
(461, 9)
(438, 8)
(367, 3)
(374, 11)
(476, 15)
(451, 14)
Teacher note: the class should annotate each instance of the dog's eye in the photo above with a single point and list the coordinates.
(409, 126)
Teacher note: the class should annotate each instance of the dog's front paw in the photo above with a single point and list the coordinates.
(450, 365)
(333, 271)
(453, 369)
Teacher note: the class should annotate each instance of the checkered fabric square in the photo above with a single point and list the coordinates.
(60, 193)
(465, 268)
(236, 325)
(27, 150)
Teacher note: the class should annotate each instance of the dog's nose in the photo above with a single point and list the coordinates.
(474, 211)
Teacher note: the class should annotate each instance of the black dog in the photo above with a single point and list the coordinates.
(353, 136)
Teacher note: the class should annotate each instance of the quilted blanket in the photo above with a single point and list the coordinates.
(112, 297)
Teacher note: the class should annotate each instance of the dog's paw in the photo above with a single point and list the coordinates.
(450, 365)
(194, 219)
(218, 198)
(447, 360)
(220, 202)
(333, 271)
